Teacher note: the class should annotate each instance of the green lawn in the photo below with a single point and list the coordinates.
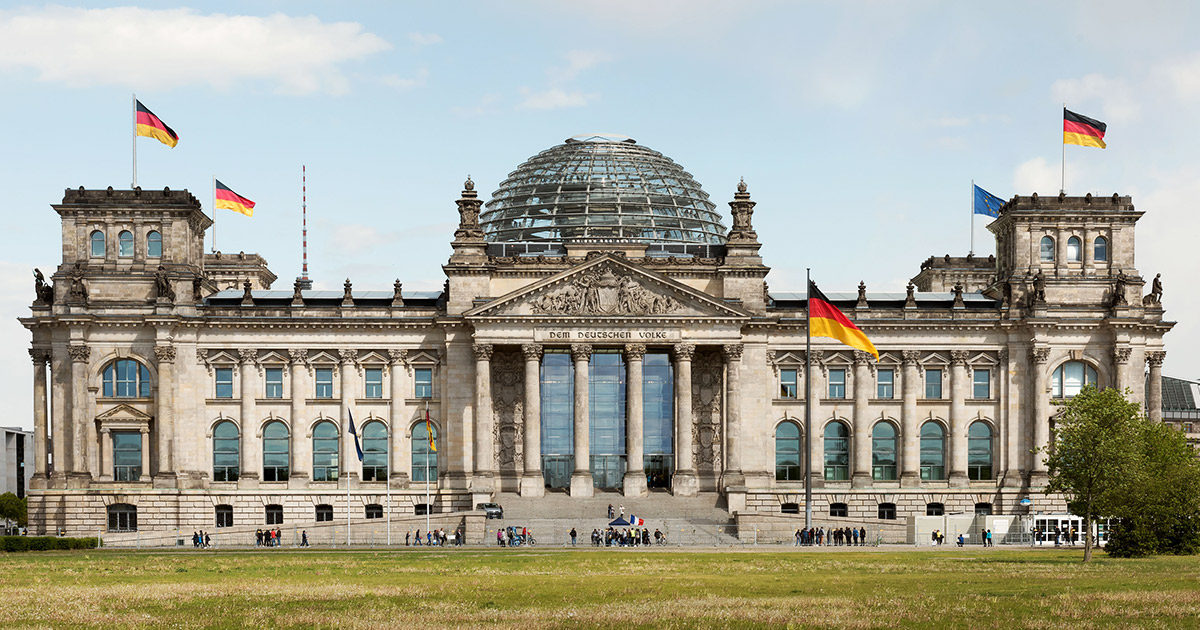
(947, 588)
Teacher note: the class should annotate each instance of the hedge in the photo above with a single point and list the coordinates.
(44, 543)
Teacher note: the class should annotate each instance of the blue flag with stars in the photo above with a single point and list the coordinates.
(987, 203)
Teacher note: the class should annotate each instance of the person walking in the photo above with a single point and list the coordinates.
(610, 511)
(622, 510)
(573, 534)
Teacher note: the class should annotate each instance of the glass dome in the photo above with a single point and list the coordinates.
(601, 187)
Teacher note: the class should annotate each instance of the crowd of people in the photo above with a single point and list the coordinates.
(201, 539)
(435, 538)
(268, 538)
(514, 537)
(627, 537)
(835, 536)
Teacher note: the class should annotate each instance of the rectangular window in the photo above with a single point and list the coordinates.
(324, 383)
(933, 384)
(127, 455)
(423, 383)
(274, 382)
(885, 384)
(787, 383)
(837, 383)
(983, 384)
(374, 382)
(224, 382)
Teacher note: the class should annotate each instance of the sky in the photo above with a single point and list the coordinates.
(858, 126)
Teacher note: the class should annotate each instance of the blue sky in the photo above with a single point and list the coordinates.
(858, 126)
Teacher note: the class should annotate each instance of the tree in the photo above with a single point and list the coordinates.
(1091, 457)
(1158, 509)
(13, 509)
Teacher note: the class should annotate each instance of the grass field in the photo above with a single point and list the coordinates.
(949, 588)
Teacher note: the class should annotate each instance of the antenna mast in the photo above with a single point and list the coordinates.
(303, 281)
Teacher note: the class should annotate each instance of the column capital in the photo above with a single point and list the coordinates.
(733, 351)
(684, 351)
(862, 358)
(1121, 354)
(1155, 358)
(1040, 356)
(298, 355)
(249, 356)
(79, 354)
(910, 357)
(1002, 355)
(483, 351)
(959, 357)
(105, 430)
(635, 351)
(39, 356)
(164, 354)
(581, 351)
(145, 430)
(532, 351)
(348, 355)
(398, 357)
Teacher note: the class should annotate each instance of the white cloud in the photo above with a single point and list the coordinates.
(486, 105)
(1183, 76)
(424, 39)
(142, 48)
(405, 83)
(1037, 175)
(553, 98)
(1116, 99)
(578, 61)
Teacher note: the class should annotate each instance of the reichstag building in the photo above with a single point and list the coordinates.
(601, 330)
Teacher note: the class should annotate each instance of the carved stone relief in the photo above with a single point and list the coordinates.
(707, 385)
(602, 292)
(508, 391)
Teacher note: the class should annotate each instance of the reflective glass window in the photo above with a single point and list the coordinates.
(885, 384)
(424, 458)
(933, 452)
(125, 378)
(423, 383)
(375, 452)
(837, 452)
(1100, 253)
(1070, 377)
(981, 381)
(787, 383)
(883, 452)
(154, 244)
(325, 452)
(979, 451)
(97, 241)
(787, 452)
(933, 384)
(224, 379)
(324, 383)
(1074, 249)
(127, 455)
(275, 452)
(226, 452)
(1046, 252)
(274, 382)
(837, 383)
(373, 382)
(125, 244)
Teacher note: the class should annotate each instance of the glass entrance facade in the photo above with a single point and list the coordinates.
(606, 408)
(658, 418)
(558, 418)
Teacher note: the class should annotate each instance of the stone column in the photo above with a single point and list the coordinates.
(532, 483)
(958, 418)
(349, 464)
(581, 476)
(1121, 367)
(1088, 252)
(684, 482)
(485, 454)
(910, 453)
(734, 476)
(1010, 425)
(77, 419)
(59, 430)
(1039, 357)
(251, 425)
(861, 451)
(299, 388)
(40, 359)
(106, 465)
(397, 427)
(145, 454)
(1154, 400)
(635, 450)
(164, 415)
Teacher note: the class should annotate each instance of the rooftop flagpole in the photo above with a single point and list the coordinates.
(1063, 182)
(971, 251)
(134, 141)
(214, 211)
(808, 399)
(428, 436)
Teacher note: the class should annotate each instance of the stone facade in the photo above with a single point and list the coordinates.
(964, 382)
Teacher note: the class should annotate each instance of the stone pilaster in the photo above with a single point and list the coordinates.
(1039, 357)
(581, 476)
(350, 466)
(77, 420)
(1154, 399)
(684, 482)
(1121, 366)
(733, 477)
(958, 418)
(861, 450)
(1010, 424)
(397, 429)
(40, 359)
(910, 453)
(106, 462)
(164, 417)
(635, 470)
(145, 454)
(485, 456)
(532, 483)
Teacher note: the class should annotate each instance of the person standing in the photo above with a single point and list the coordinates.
(573, 534)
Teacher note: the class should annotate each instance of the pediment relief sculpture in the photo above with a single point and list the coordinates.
(601, 291)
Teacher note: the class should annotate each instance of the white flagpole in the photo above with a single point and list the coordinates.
(214, 211)
(134, 141)
(428, 436)
(388, 480)
(972, 250)
(1063, 182)
(808, 400)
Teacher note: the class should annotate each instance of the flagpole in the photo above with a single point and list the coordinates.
(1063, 183)
(214, 209)
(347, 471)
(388, 480)
(972, 250)
(429, 437)
(808, 399)
(134, 141)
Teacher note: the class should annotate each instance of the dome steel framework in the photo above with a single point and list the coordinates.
(601, 187)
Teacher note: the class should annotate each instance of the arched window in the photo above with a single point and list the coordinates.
(424, 458)
(1100, 254)
(97, 244)
(275, 453)
(375, 452)
(883, 452)
(122, 517)
(225, 452)
(125, 244)
(837, 452)
(1047, 249)
(787, 452)
(934, 509)
(933, 451)
(126, 378)
(1070, 377)
(224, 515)
(1074, 249)
(979, 451)
(154, 244)
(325, 452)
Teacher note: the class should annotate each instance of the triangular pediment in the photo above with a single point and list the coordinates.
(123, 412)
(608, 286)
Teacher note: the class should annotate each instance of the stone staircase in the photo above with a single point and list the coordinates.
(687, 521)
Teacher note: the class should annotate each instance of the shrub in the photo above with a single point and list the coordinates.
(44, 543)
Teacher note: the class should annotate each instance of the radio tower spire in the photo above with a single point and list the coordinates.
(303, 281)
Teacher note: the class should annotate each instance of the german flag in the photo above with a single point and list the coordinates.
(825, 320)
(429, 432)
(151, 126)
(226, 198)
(1082, 130)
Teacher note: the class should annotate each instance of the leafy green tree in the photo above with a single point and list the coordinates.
(1157, 509)
(13, 509)
(1091, 458)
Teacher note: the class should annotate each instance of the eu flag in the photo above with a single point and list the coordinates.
(357, 445)
(987, 203)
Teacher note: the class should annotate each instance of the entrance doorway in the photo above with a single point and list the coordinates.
(556, 470)
(658, 471)
(608, 471)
